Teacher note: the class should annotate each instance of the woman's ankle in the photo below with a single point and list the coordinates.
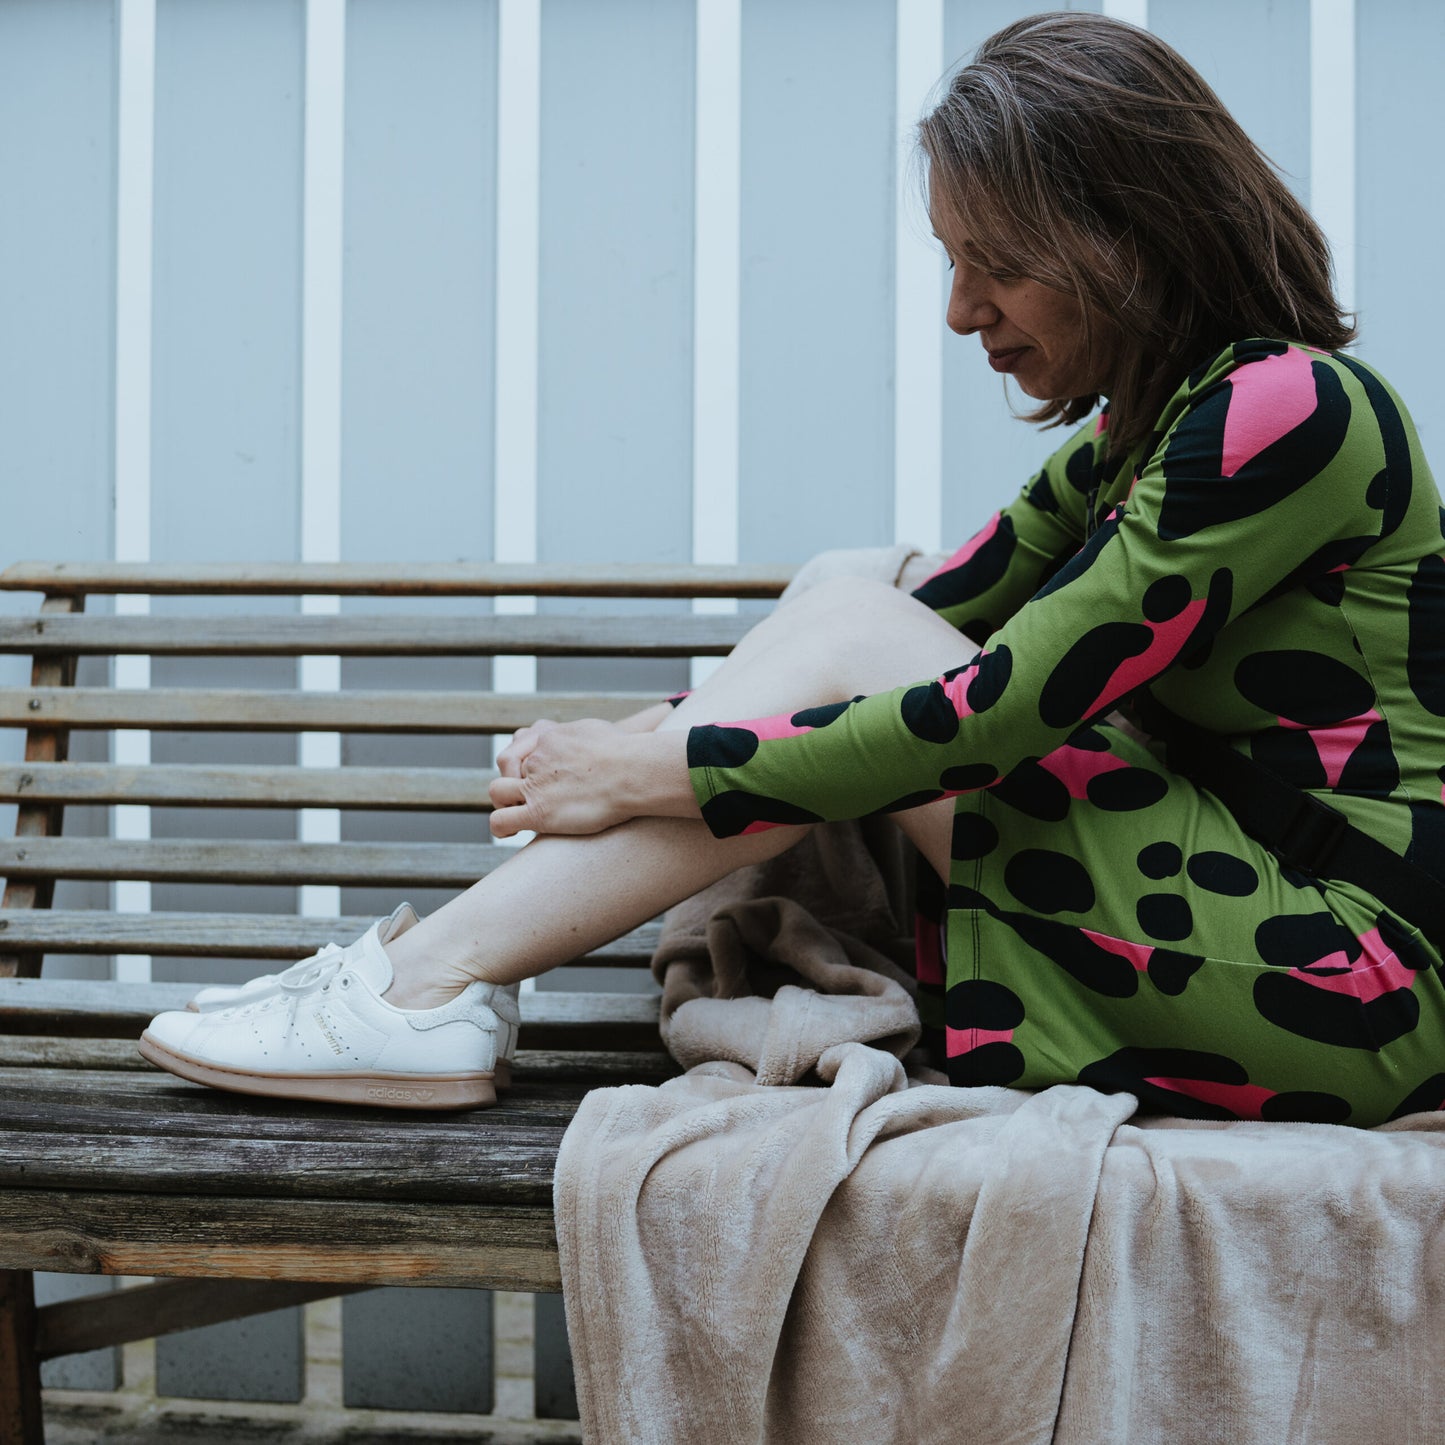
(427, 974)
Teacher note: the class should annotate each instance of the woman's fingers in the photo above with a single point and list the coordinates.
(509, 808)
(511, 758)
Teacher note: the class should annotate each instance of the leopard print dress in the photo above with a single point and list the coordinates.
(1267, 564)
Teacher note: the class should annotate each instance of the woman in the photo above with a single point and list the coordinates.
(1247, 536)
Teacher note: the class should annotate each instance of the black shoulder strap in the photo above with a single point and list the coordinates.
(1299, 828)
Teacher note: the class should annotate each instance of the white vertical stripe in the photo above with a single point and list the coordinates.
(519, 128)
(321, 384)
(1332, 134)
(717, 180)
(918, 296)
(519, 104)
(1136, 12)
(135, 132)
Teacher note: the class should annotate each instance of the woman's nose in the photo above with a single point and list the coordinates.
(970, 307)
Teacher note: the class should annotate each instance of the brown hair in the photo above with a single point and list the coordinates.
(1090, 156)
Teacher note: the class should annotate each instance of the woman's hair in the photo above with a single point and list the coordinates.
(1087, 154)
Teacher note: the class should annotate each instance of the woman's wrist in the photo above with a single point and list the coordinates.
(654, 767)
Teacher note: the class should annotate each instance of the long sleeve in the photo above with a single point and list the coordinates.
(996, 571)
(1254, 484)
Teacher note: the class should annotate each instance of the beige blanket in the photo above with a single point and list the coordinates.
(795, 1242)
(857, 1260)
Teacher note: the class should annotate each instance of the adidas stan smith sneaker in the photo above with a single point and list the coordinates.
(336, 1039)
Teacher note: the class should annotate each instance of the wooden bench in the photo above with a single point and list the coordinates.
(242, 1205)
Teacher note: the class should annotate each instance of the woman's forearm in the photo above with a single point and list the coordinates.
(647, 720)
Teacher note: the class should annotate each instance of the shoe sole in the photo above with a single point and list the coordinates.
(384, 1091)
(502, 1078)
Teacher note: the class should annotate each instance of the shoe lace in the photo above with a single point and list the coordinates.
(302, 977)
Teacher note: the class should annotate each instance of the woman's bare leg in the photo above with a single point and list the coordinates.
(561, 896)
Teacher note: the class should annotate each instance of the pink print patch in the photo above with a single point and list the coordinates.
(1268, 400)
(1378, 971)
(969, 547)
(758, 827)
(1169, 639)
(1102, 425)
(1246, 1101)
(1336, 744)
(928, 951)
(768, 728)
(1075, 767)
(1138, 954)
(955, 689)
(965, 1041)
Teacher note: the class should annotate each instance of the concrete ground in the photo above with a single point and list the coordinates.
(135, 1415)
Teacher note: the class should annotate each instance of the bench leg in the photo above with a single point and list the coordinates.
(20, 1419)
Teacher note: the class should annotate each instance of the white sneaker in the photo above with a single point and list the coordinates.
(307, 972)
(339, 1041)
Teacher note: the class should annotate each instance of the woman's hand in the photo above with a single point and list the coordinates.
(511, 758)
(583, 777)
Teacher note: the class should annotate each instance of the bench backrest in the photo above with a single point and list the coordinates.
(246, 615)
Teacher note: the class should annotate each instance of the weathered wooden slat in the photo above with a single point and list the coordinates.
(666, 635)
(91, 1009)
(145, 1311)
(514, 1167)
(34, 1056)
(29, 1061)
(267, 936)
(253, 710)
(460, 790)
(63, 1101)
(390, 865)
(459, 1244)
(398, 579)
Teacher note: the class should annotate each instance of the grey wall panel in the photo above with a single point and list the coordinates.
(93, 1370)
(418, 1349)
(1400, 204)
(988, 452)
(260, 1358)
(556, 1385)
(615, 304)
(419, 273)
(816, 395)
(1256, 55)
(57, 297)
(615, 314)
(226, 456)
(227, 358)
(227, 247)
(57, 276)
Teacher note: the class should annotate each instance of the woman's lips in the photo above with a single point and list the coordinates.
(1007, 359)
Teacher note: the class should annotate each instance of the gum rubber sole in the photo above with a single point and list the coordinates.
(385, 1091)
(502, 1078)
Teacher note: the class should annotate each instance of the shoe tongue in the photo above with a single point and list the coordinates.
(402, 917)
(371, 963)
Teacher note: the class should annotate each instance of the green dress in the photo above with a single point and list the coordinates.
(1266, 565)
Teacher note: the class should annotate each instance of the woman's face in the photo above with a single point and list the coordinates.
(1030, 331)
